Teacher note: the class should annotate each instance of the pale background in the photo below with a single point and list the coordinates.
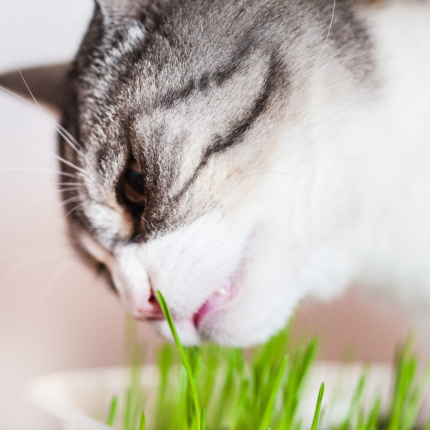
(54, 314)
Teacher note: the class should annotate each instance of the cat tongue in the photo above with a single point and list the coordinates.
(216, 300)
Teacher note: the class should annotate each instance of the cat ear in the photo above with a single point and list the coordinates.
(46, 83)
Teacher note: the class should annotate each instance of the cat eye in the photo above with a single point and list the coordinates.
(134, 184)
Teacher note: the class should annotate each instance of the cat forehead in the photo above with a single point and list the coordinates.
(186, 38)
(127, 70)
(174, 132)
(150, 105)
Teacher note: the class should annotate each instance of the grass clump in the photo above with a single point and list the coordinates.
(217, 388)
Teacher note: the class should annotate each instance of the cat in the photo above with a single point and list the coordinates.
(240, 155)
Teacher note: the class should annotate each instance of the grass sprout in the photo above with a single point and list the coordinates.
(318, 408)
(218, 388)
(195, 417)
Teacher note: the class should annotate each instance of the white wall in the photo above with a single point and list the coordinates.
(41, 31)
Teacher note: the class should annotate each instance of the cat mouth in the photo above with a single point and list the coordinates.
(199, 325)
(195, 327)
(216, 301)
(224, 295)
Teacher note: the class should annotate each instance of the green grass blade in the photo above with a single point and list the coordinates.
(318, 408)
(359, 425)
(203, 420)
(249, 390)
(427, 425)
(221, 408)
(301, 362)
(211, 365)
(142, 421)
(271, 400)
(113, 409)
(165, 363)
(374, 417)
(180, 410)
(183, 355)
(127, 410)
(355, 402)
(416, 397)
(239, 406)
(402, 384)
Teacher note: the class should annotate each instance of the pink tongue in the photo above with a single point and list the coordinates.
(215, 300)
(198, 316)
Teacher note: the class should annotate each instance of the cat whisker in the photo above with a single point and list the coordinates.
(72, 210)
(53, 279)
(80, 184)
(221, 244)
(61, 204)
(36, 170)
(58, 127)
(40, 148)
(61, 189)
(58, 191)
(13, 268)
(39, 249)
(70, 200)
(64, 133)
(68, 163)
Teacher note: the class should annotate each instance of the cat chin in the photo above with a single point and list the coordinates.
(240, 321)
(245, 324)
(227, 327)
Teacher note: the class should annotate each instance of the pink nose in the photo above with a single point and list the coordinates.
(151, 310)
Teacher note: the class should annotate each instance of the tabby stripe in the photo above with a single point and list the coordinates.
(219, 77)
(242, 126)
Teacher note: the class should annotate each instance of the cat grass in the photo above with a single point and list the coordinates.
(218, 388)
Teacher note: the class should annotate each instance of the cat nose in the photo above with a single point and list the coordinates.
(151, 309)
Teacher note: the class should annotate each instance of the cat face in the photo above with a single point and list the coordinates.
(179, 114)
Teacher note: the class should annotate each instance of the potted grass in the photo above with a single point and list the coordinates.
(276, 386)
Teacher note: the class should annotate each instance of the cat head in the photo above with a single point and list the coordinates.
(175, 111)
(173, 123)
